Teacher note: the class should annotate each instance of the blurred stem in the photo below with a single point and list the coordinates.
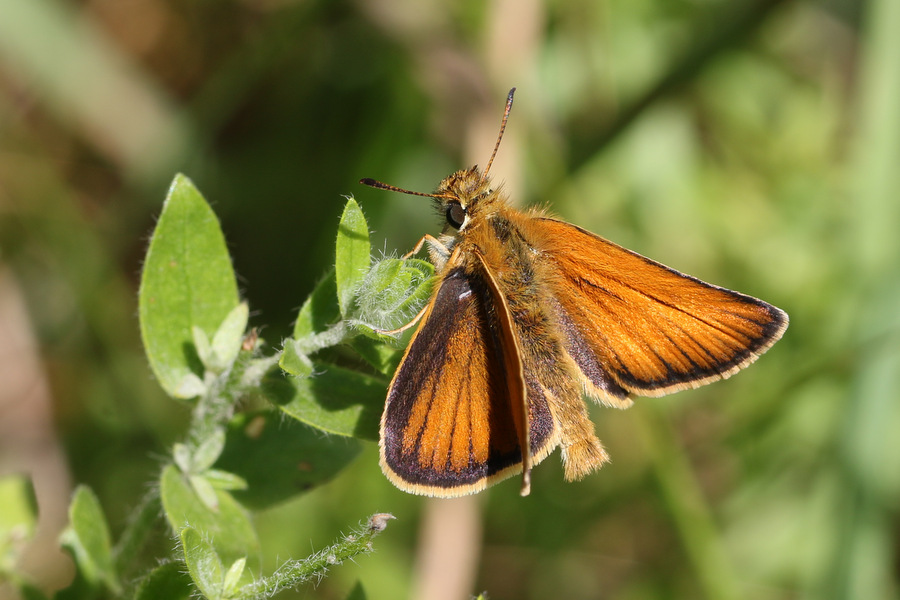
(862, 563)
(448, 548)
(684, 499)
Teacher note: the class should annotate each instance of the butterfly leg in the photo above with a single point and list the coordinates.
(433, 243)
(438, 251)
(403, 328)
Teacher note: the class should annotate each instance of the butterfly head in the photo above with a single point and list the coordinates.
(462, 196)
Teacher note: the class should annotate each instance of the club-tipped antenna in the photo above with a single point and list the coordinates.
(509, 101)
(393, 188)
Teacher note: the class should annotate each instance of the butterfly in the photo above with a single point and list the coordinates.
(528, 315)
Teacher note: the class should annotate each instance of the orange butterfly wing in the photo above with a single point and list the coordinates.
(634, 325)
(448, 426)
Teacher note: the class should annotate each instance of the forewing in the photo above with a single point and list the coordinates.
(447, 427)
(514, 371)
(634, 325)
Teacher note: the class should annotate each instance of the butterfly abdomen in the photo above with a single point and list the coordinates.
(550, 375)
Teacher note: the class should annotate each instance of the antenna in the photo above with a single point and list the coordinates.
(393, 188)
(509, 101)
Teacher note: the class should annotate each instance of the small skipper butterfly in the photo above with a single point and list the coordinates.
(528, 314)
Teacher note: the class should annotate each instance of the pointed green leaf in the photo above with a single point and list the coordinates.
(18, 518)
(229, 529)
(204, 565)
(226, 343)
(280, 458)
(204, 491)
(189, 387)
(87, 538)
(351, 255)
(181, 454)
(233, 576)
(202, 346)
(168, 581)
(336, 400)
(187, 281)
(320, 310)
(207, 453)
(223, 480)
(357, 593)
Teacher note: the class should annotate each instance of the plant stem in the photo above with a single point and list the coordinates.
(332, 336)
(295, 572)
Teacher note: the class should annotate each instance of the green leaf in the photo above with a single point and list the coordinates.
(320, 310)
(220, 353)
(381, 356)
(207, 453)
(229, 528)
(335, 400)
(18, 518)
(280, 458)
(202, 346)
(181, 454)
(317, 318)
(357, 593)
(187, 281)
(205, 491)
(226, 343)
(223, 480)
(168, 581)
(392, 293)
(204, 565)
(189, 387)
(87, 538)
(233, 576)
(351, 255)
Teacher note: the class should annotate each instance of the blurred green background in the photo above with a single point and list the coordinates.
(752, 143)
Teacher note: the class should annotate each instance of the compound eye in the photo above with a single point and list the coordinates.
(456, 215)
